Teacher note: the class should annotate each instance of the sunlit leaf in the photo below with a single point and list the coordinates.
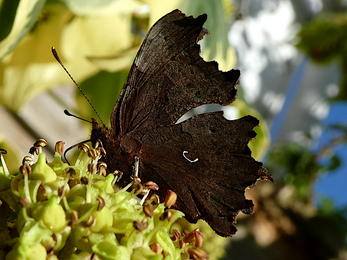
(26, 16)
(216, 45)
(261, 143)
(102, 90)
(158, 8)
(8, 9)
(102, 7)
(120, 61)
(31, 67)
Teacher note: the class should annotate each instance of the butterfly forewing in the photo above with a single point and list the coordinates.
(206, 159)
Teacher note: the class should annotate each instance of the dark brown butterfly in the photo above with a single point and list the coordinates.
(205, 159)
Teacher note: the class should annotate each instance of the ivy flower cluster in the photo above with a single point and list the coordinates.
(59, 211)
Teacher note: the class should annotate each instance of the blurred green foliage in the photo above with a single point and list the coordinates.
(296, 165)
(324, 40)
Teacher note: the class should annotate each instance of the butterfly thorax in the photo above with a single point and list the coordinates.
(116, 157)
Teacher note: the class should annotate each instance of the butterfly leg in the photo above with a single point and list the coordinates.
(136, 166)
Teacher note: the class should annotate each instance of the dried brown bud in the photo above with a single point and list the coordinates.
(102, 168)
(62, 191)
(40, 143)
(90, 221)
(24, 202)
(27, 160)
(197, 253)
(84, 180)
(102, 151)
(59, 147)
(74, 217)
(170, 199)
(141, 225)
(152, 198)
(92, 168)
(118, 175)
(176, 235)
(148, 210)
(102, 203)
(138, 188)
(71, 171)
(34, 150)
(199, 238)
(98, 144)
(41, 194)
(25, 169)
(156, 248)
(188, 238)
(194, 236)
(151, 185)
(135, 179)
(166, 215)
(182, 244)
(185, 232)
(93, 153)
(84, 147)
(73, 182)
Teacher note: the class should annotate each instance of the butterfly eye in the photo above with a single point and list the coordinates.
(185, 157)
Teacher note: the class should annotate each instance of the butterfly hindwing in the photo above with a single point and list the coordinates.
(207, 159)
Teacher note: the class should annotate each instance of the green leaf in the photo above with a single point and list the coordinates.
(261, 143)
(102, 7)
(334, 163)
(8, 11)
(119, 61)
(108, 250)
(102, 90)
(216, 45)
(26, 16)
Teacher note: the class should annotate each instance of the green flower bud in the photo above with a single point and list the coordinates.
(110, 251)
(52, 257)
(57, 164)
(33, 188)
(144, 253)
(96, 238)
(165, 242)
(123, 221)
(26, 252)
(22, 219)
(50, 213)
(103, 220)
(41, 171)
(15, 184)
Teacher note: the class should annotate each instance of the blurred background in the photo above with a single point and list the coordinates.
(293, 61)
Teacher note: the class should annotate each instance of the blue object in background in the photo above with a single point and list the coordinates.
(332, 185)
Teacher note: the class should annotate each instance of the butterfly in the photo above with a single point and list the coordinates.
(205, 160)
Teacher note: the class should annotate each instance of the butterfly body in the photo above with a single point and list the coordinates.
(205, 159)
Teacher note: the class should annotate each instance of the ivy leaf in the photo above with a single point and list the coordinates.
(24, 20)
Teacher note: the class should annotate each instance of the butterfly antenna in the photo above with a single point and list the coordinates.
(73, 146)
(66, 112)
(56, 56)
